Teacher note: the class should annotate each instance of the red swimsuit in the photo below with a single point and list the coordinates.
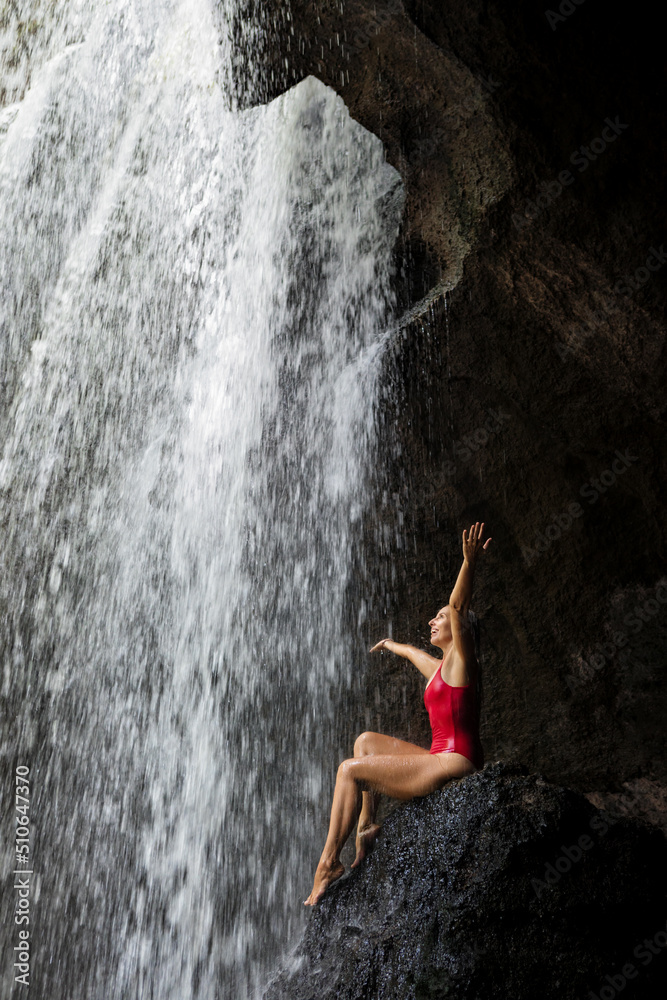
(454, 715)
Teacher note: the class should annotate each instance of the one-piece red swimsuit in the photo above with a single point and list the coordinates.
(454, 716)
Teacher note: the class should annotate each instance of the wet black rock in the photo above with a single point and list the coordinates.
(500, 885)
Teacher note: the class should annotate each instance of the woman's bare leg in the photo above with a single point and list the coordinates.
(373, 744)
(401, 777)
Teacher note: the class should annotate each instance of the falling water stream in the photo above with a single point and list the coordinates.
(192, 301)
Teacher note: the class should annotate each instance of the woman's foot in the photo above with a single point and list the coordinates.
(365, 840)
(324, 876)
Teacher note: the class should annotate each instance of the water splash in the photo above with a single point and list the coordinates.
(193, 306)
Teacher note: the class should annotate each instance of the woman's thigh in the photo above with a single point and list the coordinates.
(377, 743)
(401, 776)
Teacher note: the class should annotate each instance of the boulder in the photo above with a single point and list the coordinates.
(499, 885)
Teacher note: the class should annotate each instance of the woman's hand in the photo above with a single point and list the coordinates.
(379, 645)
(473, 543)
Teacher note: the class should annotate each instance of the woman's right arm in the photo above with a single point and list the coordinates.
(427, 665)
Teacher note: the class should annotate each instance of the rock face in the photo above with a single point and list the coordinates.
(500, 885)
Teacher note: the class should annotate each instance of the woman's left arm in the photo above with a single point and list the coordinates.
(461, 595)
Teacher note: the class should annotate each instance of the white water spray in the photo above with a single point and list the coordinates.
(192, 307)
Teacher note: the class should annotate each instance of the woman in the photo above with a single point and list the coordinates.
(403, 770)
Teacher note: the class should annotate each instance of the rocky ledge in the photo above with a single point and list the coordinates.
(500, 885)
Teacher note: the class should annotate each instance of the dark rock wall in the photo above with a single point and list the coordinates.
(532, 395)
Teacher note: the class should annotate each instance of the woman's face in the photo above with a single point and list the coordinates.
(441, 628)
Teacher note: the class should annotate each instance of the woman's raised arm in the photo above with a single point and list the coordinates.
(461, 595)
(422, 661)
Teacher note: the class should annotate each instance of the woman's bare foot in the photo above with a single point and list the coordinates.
(365, 841)
(324, 875)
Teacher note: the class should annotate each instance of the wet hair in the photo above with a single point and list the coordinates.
(473, 621)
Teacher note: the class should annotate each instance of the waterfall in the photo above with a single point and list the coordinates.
(192, 300)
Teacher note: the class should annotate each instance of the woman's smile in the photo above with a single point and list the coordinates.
(439, 624)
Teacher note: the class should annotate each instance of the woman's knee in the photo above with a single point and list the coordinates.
(363, 745)
(346, 769)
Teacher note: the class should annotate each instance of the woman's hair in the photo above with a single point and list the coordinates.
(473, 621)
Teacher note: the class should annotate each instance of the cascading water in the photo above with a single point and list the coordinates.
(191, 316)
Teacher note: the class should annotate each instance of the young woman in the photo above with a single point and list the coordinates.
(382, 764)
